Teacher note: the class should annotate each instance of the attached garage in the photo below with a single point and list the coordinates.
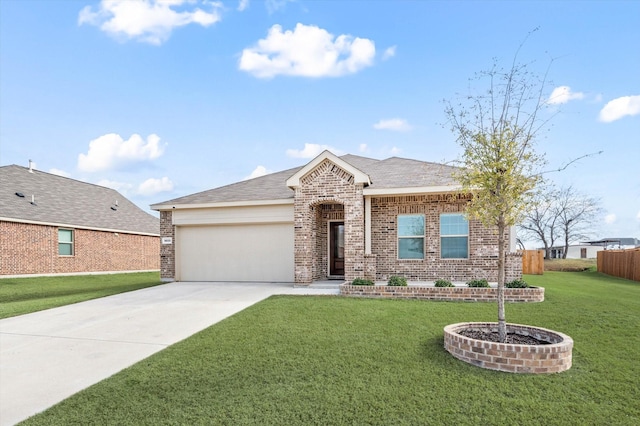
(253, 244)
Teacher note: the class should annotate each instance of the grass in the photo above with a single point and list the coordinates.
(20, 296)
(570, 265)
(330, 360)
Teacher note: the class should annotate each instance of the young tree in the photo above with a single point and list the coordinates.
(497, 130)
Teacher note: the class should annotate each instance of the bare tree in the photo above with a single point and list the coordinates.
(577, 215)
(540, 221)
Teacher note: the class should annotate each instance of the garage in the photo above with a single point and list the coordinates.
(235, 252)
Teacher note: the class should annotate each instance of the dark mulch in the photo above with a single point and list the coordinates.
(513, 338)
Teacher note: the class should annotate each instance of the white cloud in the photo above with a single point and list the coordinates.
(258, 171)
(312, 150)
(638, 215)
(243, 5)
(59, 172)
(149, 21)
(363, 147)
(122, 187)
(275, 5)
(610, 218)
(154, 186)
(307, 51)
(390, 52)
(110, 151)
(563, 94)
(395, 124)
(620, 107)
(395, 150)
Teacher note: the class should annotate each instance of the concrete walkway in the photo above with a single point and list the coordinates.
(48, 356)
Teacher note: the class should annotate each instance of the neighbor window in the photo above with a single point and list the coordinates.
(454, 236)
(411, 236)
(65, 242)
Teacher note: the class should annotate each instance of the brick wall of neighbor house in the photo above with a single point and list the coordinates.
(483, 242)
(327, 184)
(167, 251)
(33, 249)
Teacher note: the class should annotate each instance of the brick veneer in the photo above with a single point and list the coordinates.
(483, 242)
(552, 358)
(33, 249)
(167, 251)
(429, 292)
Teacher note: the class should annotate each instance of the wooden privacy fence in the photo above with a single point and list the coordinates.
(620, 263)
(532, 262)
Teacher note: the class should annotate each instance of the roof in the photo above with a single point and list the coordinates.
(393, 172)
(63, 201)
(624, 241)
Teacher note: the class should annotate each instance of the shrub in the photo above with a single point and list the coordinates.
(361, 281)
(397, 281)
(478, 283)
(516, 284)
(443, 283)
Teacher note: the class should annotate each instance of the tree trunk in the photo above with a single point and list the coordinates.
(502, 324)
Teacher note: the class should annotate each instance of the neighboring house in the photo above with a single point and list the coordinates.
(334, 218)
(55, 225)
(616, 243)
(576, 251)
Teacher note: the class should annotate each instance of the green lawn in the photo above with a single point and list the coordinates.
(331, 361)
(24, 295)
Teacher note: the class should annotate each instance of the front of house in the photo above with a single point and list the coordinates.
(334, 218)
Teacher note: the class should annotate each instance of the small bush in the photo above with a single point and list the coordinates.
(361, 281)
(478, 283)
(516, 284)
(443, 283)
(397, 281)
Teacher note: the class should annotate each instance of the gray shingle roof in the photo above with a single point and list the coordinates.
(63, 201)
(390, 173)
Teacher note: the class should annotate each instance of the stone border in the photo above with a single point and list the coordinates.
(430, 292)
(512, 358)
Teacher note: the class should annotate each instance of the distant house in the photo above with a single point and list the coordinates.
(333, 218)
(590, 249)
(616, 243)
(55, 225)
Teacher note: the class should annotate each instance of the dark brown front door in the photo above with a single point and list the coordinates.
(336, 248)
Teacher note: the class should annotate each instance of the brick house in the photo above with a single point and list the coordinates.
(334, 218)
(51, 224)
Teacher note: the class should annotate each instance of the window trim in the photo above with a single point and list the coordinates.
(454, 235)
(399, 237)
(71, 243)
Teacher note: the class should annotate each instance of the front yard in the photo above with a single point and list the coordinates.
(332, 360)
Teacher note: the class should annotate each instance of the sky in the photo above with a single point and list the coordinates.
(161, 99)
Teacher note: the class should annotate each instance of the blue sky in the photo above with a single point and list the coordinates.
(160, 99)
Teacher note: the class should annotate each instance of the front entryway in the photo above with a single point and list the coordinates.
(336, 249)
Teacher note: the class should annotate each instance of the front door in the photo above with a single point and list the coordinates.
(336, 249)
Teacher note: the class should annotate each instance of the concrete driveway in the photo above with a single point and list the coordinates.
(48, 356)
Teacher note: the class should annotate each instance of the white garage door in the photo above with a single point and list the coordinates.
(247, 252)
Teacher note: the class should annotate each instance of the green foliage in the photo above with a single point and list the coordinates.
(478, 283)
(443, 283)
(397, 281)
(517, 284)
(20, 296)
(362, 281)
(299, 360)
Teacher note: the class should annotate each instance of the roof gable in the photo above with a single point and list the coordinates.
(62, 201)
(358, 175)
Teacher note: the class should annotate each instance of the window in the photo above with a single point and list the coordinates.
(65, 242)
(411, 236)
(454, 236)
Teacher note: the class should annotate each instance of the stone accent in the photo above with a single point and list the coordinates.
(483, 241)
(167, 251)
(33, 249)
(552, 358)
(429, 292)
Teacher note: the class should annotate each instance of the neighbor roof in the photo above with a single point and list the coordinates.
(64, 201)
(393, 172)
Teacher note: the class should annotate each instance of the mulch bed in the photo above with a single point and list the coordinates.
(512, 338)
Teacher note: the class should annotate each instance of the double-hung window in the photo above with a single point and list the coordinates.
(65, 242)
(411, 236)
(454, 236)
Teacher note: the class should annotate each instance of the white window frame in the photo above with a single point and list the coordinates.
(453, 236)
(399, 237)
(71, 243)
